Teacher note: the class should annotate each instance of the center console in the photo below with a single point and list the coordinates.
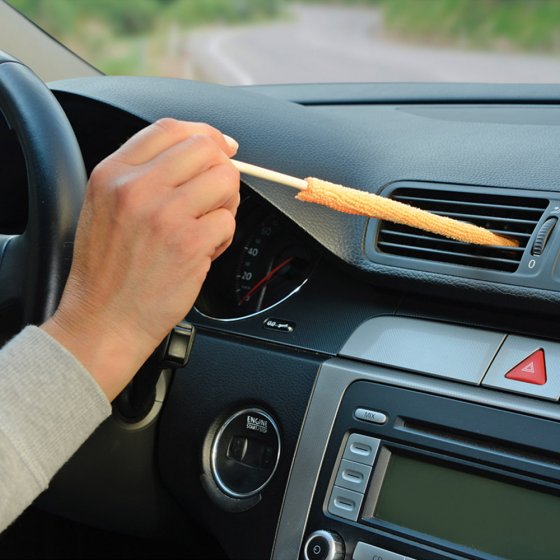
(395, 464)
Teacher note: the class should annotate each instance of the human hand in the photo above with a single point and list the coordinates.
(156, 213)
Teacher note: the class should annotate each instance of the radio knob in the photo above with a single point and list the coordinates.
(323, 545)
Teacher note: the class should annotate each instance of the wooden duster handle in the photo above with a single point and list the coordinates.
(269, 175)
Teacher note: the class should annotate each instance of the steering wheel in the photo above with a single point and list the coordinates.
(34, 265)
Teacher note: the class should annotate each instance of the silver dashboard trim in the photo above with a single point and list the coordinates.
(427, 347)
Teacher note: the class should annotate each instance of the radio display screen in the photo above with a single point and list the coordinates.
(469, 509)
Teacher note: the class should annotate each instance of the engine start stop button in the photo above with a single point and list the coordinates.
(245, 452)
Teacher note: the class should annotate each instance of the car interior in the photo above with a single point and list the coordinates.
(344, 387)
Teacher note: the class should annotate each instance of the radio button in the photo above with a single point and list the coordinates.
(372, 416)
(345, 503)
(353, 476)
(365, 551)
(361, 449)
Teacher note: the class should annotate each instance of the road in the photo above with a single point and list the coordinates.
(337, 44)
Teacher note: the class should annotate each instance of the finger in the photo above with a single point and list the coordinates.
(164, 133)
(232, 144)
(233, 204)
(218, 187)
(218, 227)
(186, 160)
(221, 249)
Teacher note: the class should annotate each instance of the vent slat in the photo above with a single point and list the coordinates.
(448, 253)
(510, 233)
(396, 228)
(472, 217)
(471, 195)
(442, 240)
(466, 204)
(503, 214)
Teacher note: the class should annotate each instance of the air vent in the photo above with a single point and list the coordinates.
(508, 215)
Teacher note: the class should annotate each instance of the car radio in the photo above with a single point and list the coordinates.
(408, 474)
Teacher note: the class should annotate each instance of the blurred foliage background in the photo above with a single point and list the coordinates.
(507, 25)
(146, 36)
(138, 36)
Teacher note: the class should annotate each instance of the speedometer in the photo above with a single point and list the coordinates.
(267, 262)
(271, 267)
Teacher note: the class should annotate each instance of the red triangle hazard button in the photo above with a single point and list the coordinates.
(531, 370)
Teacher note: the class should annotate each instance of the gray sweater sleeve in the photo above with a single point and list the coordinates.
(49, 405)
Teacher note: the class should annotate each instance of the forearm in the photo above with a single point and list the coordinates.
(50, 405)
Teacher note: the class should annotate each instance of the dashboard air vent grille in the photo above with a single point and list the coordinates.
(509, 215)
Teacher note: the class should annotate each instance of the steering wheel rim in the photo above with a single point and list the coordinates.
(35, 264)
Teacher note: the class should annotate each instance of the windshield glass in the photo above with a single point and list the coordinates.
(245, 42)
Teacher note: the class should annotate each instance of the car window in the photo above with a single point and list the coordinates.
(280, 41)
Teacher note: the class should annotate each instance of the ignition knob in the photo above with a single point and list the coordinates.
(323, 545)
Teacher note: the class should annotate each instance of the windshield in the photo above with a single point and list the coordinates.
(243, 42)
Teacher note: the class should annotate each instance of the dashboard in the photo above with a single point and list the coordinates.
(353, 390)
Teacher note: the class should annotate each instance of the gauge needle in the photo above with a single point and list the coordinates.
(264, 280)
